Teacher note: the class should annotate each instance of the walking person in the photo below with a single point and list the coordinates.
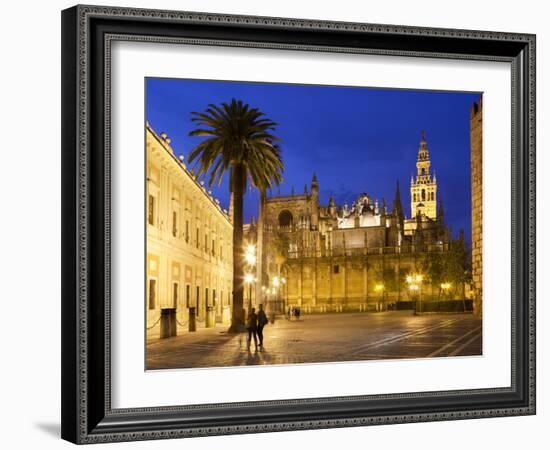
(262, 322)
(252, 327)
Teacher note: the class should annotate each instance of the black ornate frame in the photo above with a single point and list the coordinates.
(87, 33)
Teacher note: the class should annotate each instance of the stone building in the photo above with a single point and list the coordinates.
(476, 141)
(354, 257)
(189, 265)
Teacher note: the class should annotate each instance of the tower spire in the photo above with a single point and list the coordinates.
(440, 212)
(397, 206)
(424, 186)
(423, 148)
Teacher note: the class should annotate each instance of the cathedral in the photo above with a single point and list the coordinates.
(354, 257)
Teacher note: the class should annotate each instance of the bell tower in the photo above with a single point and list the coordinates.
(424, 187)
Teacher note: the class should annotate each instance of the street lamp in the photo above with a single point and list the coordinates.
(250, 255)
(445, 287)
(380, 289)
(248, 279)
(283, 280)
(415, 285)
(250, 259)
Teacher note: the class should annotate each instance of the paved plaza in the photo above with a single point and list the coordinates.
(324, 338)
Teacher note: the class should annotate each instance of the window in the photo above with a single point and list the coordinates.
(213, 247)
(423, 171)
(197, 237)
(214, 297)
(174, 223)
(198, 301)
(175, 294)
(285, 219)
(152, 293)
(187, 231)
(187, 295)
(206, 243)
(151, 211)
(206, 296)
(423, 194)
(336, 269)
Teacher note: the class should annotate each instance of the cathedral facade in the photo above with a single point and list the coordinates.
(354, 257)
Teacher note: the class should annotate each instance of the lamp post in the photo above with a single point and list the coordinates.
(248, 279)
(380, 289)
(283, 281)
(415, 285)
(250, 259)
(445, 287)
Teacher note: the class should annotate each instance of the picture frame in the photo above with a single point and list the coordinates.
(87, 413)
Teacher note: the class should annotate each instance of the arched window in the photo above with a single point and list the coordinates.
(423, 194)
(285, 218)
(423, 172)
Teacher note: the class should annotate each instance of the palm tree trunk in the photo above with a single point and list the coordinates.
(237, 320)
(260, 248)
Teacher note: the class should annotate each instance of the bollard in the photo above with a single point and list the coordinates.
(192, 320)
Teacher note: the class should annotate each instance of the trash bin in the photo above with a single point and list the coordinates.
(168, 323)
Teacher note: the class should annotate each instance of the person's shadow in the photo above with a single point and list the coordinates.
(252, 357)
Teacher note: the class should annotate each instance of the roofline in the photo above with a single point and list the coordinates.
(170, 152)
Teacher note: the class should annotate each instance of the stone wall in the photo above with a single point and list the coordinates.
(476, 141)
(349, 283)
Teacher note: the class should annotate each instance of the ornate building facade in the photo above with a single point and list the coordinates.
(189, 264)
(354, 257)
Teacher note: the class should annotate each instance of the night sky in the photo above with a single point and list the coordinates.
(355, 139)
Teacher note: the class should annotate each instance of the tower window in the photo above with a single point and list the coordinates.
(423, 171)
(423, 194)
(336, 269)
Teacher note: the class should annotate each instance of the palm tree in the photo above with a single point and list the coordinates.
(239, 140)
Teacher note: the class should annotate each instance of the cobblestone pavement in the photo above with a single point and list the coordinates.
(324, 338)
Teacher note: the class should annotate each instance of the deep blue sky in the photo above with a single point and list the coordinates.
(355, 139)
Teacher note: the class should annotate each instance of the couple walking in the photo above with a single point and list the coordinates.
(255, 324)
